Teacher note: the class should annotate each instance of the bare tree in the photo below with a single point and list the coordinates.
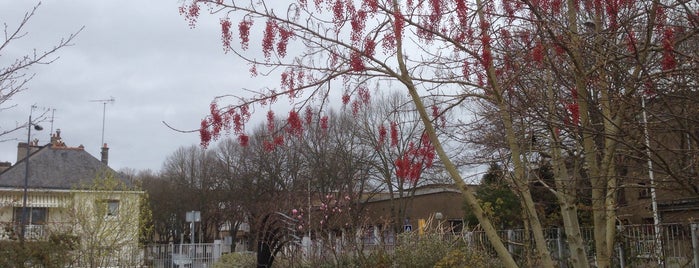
(15, 76)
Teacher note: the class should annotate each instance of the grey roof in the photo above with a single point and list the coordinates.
(56, 168)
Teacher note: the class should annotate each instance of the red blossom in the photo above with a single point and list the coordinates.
(204, 133)
(284, 35)
(215, 120)
(394, 134)
(355, 107)
(435, 111)
(244, 32)
(324, 123)
(413, 161)
(402, 167)
(238, 123)
(356, 62)
(338, 9)
(398, 24)
(345, 99)
(466, 70)
(244, 140)
(279, 140)
(288, 82)
(486, 56)
(668, 61)
(369, 46)
(462, 12)
(253, 70)
(436, 14)
(660, 18)
(574, 111)
(295, 126)
(270, 121)
(538, 53)
(191, 13)
(556, 6)
(269, 34)
(382, 134)
(357, 21)
(226, 35)
(372, 5)
(364, 94)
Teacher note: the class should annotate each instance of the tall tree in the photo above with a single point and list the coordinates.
(593, 57)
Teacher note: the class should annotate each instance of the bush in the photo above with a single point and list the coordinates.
(246, 259)
(237, 260)
(463, 257)
(55, 252)
(424, 250)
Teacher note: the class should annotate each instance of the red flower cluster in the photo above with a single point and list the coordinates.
(414, 160)
(382, 135)
(295, 127)
(190, 13)
(394, 134)
(244, 32)
(269, 34)
(226, 35)
(668, 62)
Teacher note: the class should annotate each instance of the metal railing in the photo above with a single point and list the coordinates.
(182, 255)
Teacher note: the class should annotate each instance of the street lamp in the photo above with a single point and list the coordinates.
(26, 176)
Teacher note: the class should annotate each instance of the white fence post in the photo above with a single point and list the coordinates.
(695, 244)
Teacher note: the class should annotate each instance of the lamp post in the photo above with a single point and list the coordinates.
(26, 176)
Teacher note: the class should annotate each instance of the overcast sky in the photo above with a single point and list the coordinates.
(142, 54)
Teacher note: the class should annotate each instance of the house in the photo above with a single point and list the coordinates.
(672, 134)
(439, 203)
(70, 192)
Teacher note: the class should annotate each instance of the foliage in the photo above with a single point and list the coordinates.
(237, 260)
(55, 252)
(106, 216)
(498, 200)
(463, 257)
(414, 250)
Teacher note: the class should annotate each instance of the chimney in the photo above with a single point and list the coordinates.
(105, 154)
(56, 140)
(22, 149)
(4, 166)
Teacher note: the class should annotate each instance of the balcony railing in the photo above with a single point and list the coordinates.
(12, 230)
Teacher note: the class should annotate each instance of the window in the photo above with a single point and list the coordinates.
(644, 192)
(110, 208)
(35, 218)
(34, 215)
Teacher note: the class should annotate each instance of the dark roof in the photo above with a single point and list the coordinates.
(56, 168)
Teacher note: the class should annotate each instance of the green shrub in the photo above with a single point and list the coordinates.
(55, 252)
(245, 260)
(463, 257)
(425, 250)
(237, 260)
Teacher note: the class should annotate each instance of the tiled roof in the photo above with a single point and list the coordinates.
(56, 168)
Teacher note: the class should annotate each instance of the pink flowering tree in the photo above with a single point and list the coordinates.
(592, 60)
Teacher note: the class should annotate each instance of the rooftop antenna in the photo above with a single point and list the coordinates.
(104, 109)
(53, 111)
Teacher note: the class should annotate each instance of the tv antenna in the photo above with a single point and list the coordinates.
(104, 109)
